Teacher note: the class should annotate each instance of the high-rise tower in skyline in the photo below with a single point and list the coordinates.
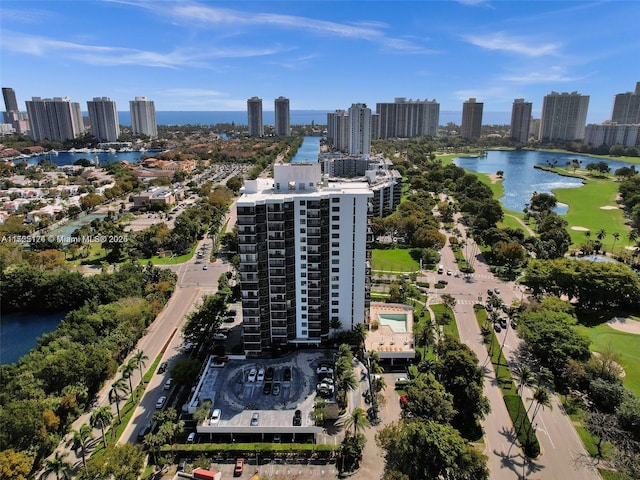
(471, 126)
(103, 117)
(520, 120)
(359, 129)
(626, 107)
(54, 119)
(338, 129)
(563, 116)
(303, 247)
(143, 117)
(282, 117)
(254, 116)
(407, 118)
(10, 101)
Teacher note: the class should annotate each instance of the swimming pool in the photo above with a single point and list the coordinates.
(397, 322)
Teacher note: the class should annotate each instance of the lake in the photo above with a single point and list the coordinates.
(19, 332)
(521, 179)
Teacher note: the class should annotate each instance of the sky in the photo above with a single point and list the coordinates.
(325, 55)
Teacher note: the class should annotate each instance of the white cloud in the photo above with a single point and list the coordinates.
(549, 75)
(115, 56)
(512, 44)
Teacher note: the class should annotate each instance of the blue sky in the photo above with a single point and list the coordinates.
(213, 55)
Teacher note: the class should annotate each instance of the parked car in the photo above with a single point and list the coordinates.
(489, 292)
(287, 374)
(497, 327)
(204, 267)
(514, 324)
(219, 336)
(167, 385)
(142, 432)
(239, 468)
(401, 382)
(324, 370)
(161, 401)
(276, 388)
(215, 417)
(497, 290)
(255, 418)
(260, 377)
(191, 438)
(267, 388)
(503, 322)
(449, 272)
(268, 376)
(253, 373)
(488, 307)
(163, 367)
(297, 418)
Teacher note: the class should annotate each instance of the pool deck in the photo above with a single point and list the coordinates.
(384, 340)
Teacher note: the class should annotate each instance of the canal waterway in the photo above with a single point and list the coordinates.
(521, 179)
(308, 151)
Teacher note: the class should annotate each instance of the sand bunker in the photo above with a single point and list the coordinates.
(608, 207)
(580, 229)
(625, 325)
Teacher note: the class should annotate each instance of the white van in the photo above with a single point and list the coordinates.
(440, 269)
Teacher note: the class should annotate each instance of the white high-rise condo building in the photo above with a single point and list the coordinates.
(626, 107)
(338, 129)
(103, 116)
(563, 117)
(143, 117)
(359, 129)
(282, 118)
(520, 120)
(407, 118)
(56, 119)
(471, 126)
(254, 116)
(304, 257)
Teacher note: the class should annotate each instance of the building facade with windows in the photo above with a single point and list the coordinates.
(600, 134)
(304, 258)
(143, 117)
(338, 129)
(282, 117)
(407, 118)
(520, 120)
(254, 117)
(564, 116)
(626, 107)
(359, 129)
(103, 116)
(55, 118)
(471, 126)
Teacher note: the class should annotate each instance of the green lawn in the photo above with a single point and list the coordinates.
(585, 211)
(449, 327)
(626, 344)
(393, 260)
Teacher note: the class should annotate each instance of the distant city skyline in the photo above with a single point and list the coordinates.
(212, 56)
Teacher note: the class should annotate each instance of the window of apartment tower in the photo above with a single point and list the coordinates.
(335, 200)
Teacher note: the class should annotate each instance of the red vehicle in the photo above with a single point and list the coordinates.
(239, 468)
(403, 401)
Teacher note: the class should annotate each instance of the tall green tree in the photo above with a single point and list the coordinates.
(429, 450)
(80, 438)
(140, 361)
(101, 418)
(58, 466)
(358, 420)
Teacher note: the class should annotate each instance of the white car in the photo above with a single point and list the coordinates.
(324, 369)
(219, 336)
(161, 401)
(167, 385)
(191, 438)
(260, 377)
(252, 375)
(215, 417)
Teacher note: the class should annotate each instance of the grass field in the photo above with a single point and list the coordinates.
(393, 260)
(626, 344)
(585, 211)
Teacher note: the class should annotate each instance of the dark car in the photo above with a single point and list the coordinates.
(268, 376)
(143, 431)
(287, 374)
(489, 292)
(297, 418)
(514, 324)
(497, 327)
(267, 388)
(503, 322)
(163, 367)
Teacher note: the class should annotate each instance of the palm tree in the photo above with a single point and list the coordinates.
(101, 418)
(360, 331)
(346, 383)
(118, 387)
(57, 465)
(127, 369)
(140, 361)
(81, 438)
(601, 234)
(524, 375)
(542, 399)
(616, 237)
(358, 420)
(632, 236)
